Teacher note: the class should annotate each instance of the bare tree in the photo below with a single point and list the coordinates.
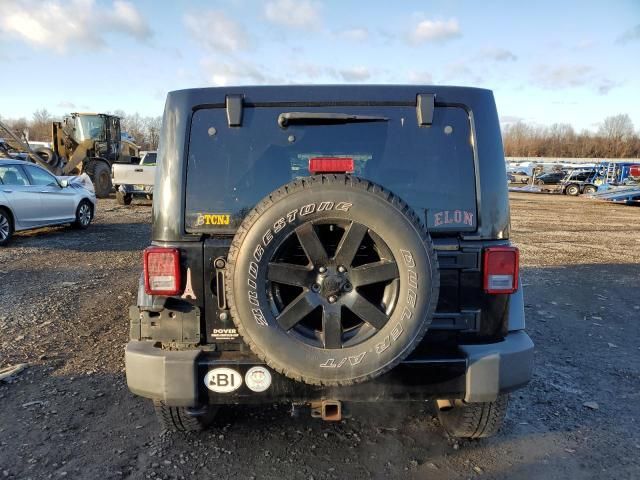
(40, 127)
(152, 127)
(615, 139)
(617, 127)
(617, 130)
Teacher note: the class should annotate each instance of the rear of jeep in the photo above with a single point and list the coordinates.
(330, 244)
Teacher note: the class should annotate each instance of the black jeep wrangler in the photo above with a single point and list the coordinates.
(327, 244)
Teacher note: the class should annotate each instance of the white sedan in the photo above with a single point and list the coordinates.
(31, 197)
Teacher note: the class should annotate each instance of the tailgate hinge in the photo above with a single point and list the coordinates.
(234, 110)
(424, 108)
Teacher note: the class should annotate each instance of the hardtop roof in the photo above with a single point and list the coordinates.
(333, 93)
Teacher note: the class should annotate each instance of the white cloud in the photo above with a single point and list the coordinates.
(224, 72)
(354, 74)
(355, 34)
(633, 34)
(605, 85)
(215, 31)
(460, 72)
(563, 76)
(420, 77)
(498, 55)
(510, 119)
(571, 76)
(583, 45)
(435, 31)
(66, 104)
(293, 13)
(77, 24)
(127, 19)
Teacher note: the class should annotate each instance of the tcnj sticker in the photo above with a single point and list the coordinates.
(258, 379)
(222, 380)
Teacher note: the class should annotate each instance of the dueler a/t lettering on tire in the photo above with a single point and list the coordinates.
(332, 280)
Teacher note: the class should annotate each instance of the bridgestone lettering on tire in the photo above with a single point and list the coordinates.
(332, 280)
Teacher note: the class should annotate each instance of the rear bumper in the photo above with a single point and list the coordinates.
(477, 373)
(135, 189)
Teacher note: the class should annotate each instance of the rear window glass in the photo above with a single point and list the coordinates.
(149, 159)
(230, 169)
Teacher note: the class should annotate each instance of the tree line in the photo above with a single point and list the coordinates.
(614, 138)
(145, 130)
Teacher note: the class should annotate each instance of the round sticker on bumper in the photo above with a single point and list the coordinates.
(258, 379)
(222, 380)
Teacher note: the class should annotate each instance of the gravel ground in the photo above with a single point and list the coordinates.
(64, 295)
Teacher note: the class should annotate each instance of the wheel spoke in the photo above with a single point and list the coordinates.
(289, 274)
(376, 272)
(349, 244)
(311, 244)
(332, 326)
(368, 312)
(301, 306)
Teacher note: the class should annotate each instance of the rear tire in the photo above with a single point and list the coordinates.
(474, 420)
(589, 189)
(123, 198)
(182, 419)
(84, 215)
(6, 227)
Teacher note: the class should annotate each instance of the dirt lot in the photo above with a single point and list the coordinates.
(63, 301)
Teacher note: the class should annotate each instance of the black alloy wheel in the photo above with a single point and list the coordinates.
(333, 284)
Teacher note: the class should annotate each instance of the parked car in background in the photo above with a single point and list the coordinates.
(579, 181)
(132, 180)
(521, 177)
(31, 197)
(553, 178)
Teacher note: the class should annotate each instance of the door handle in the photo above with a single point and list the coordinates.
(138, 170)
(8, 191)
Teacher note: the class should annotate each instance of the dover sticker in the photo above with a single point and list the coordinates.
(222, 380)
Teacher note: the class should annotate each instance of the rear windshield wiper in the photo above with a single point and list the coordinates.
(320, 118)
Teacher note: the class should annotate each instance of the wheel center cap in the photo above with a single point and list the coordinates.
(332, 284)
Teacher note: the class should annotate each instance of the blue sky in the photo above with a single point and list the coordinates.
(547, 61)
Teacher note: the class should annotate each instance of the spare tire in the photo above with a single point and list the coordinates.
(332, 280)
(48, 155)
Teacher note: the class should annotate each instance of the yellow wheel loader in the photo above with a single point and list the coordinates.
(81, 143)
(90, 143)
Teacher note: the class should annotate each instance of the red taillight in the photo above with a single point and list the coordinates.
(331, 165)
(501, 267)
(162, 271)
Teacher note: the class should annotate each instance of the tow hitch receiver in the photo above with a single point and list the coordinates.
(329, 410)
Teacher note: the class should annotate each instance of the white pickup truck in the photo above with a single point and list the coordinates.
(130, 180)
